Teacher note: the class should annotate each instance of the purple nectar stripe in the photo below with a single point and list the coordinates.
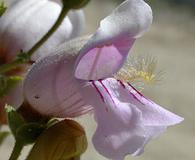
(135, 89)
(140, 93)
(121, 83)
(134, 96)
(106, 89)
(136, 93)
(98, 91)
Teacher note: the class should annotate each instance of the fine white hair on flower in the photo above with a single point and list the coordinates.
(140, 71)
(116, 34)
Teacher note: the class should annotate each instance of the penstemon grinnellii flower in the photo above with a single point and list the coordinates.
(79, 78)
(23, 24)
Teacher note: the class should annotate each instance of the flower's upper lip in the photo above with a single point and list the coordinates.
(120, 29)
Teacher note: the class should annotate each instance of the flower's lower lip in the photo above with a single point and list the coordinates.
(98, 91)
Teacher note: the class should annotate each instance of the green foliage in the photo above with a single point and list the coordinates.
(15, 120)
(23, 57)
(25, 133)
(3, 8)
(7, 83)
(28, 133)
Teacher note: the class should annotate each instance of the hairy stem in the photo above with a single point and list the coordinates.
(51, 31)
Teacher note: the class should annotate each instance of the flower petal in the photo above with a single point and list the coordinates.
(119, 31)
(150, 133)
(11, 2)
(25, 22)
(152, 113)
(123, 126)
(50, 87)
(115, 139)
(118, 130)
(13, 98)
(77, 19)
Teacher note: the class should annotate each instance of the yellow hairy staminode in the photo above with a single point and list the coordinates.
(140, 69)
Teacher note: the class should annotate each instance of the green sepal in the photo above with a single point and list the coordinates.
(28, 133)
(15, 120)
(3, 136)
(7, 83)
(23, 57)
(3, 8)
(25, 133)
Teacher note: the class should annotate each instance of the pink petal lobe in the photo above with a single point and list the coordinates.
(152, 113)
(100, 62)
(127, 22)
(123, 127)
(118, 130)
(150, 132)
(77, 19)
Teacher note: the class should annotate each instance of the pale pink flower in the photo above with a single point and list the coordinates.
(24, 23)
(67, 84)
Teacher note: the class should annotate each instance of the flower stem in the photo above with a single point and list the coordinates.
(9, 66)
(12, 65)
(51, 31)
(16, 151)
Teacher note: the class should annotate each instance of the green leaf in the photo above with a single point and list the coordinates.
(3, 135)
(28, 133)
(15, 120)
(23, 57)
(3, 8)
(25, 133)
(7, 83)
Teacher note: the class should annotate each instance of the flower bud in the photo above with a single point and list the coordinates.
(75, 4)
(64, 140)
